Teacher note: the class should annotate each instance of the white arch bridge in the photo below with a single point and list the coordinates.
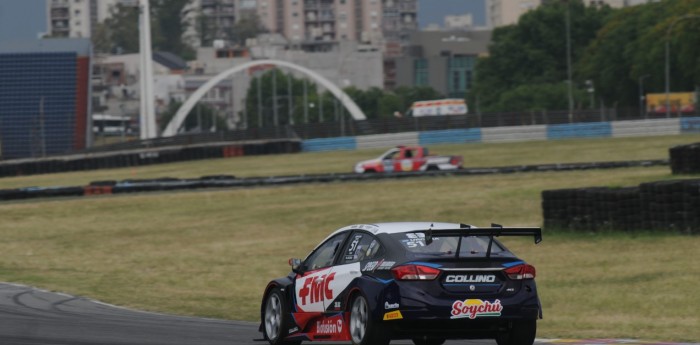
(185, 109)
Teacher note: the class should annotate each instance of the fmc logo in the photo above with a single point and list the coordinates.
(316, 288)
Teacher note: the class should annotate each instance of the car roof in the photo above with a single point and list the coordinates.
(399, 227)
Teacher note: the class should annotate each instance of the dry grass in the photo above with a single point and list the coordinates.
(210, 253)
(475, 155)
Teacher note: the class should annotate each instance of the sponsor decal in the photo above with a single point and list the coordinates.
(393, 315)
(380, 265)
(471, 278)
(386, 265)
(293, 330)
(370, 266)
(406, 165)
(329, 326)
(316, 289)
(414, 240)
(336, 305)
(473, 308)
(388, 305)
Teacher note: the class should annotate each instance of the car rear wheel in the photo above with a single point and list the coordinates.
(276, 319)
(363, 329)
(521, 333)
(428, 341)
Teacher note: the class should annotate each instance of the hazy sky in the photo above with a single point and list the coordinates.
(25, 19)
(434, 11)
(21, 19)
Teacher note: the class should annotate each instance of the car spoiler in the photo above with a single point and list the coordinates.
(495, 230)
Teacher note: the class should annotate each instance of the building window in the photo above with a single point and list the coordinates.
(460, 75)
(421, 72)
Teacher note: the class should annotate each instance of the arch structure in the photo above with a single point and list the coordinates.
(185, 109)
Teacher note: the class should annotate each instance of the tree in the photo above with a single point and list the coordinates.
(534, 52)
(119, 34)
(202, 118)
(632, 44)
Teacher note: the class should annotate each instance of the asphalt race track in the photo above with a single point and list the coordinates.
(30, 316)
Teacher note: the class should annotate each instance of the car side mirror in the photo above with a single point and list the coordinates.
(296, 264)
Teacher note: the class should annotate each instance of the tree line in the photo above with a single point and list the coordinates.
(613, 51)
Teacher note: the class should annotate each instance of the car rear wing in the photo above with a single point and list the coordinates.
(495, 230)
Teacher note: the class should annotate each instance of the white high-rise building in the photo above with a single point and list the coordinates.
(77, 18)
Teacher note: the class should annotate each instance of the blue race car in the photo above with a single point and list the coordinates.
(371, 283)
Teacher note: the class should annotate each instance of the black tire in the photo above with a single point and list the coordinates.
(522, 332)
(433, 168)
(276, 319)
(370, 171)
(428, 341)
(364, 330)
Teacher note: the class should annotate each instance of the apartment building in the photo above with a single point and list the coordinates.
(507, 12)
(78, 18)
(365, 21)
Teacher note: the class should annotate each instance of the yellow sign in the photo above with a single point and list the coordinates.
(679, 101)
(393, 315)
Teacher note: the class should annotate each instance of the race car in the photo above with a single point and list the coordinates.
(428, 282)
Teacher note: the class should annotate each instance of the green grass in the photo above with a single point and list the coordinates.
(210, 253)
(475, 155)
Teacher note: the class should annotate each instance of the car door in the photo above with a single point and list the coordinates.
(360, 246)
(312, 287)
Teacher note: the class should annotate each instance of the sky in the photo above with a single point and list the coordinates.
(434, 11)
(22, 19)
(26, 19)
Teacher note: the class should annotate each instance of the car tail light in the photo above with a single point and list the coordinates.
(521, 272)
(455, 161)
(415, 272)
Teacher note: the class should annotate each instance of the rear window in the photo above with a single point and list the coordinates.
(447, 246)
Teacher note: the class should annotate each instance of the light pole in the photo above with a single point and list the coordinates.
(668, 54)
(642, 113)
(568, 60)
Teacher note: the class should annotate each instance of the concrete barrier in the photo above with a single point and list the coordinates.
(387, 140)
(514, 133)
(644, 128)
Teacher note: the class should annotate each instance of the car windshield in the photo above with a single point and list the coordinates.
(447, 246)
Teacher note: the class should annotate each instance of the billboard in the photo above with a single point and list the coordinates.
(684, 102)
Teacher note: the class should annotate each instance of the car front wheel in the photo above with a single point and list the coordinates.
(521, 333)
(276, 319)
(363, 329)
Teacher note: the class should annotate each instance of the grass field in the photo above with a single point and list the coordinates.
(210, 253)
(475, 155)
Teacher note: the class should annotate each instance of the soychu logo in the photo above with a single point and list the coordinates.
(473, 308)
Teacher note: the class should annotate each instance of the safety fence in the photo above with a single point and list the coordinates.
(617, 129)
(228, 181)
(663, 206)
(685, 159)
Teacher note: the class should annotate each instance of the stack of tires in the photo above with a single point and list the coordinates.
(661, 206)
(685, 159)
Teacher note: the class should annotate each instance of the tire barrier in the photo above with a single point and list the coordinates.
(148, 156)
(661, 206)
(685, 159)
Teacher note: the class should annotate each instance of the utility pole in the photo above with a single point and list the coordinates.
(148, 116)
(568, 61)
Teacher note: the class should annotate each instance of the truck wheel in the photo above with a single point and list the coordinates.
(433, 168)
